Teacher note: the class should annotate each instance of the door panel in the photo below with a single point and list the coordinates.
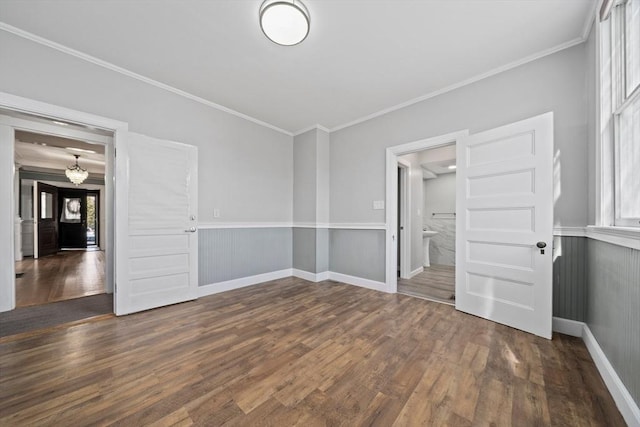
(46, 216)
(156, 229)
(505, 207)
(73, 218)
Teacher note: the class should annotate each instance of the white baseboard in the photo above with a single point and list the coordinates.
(570, 327)
(229, 285)
(312, 277)
(627, 406)
(415, 272)
(358, 281)
(625, 403)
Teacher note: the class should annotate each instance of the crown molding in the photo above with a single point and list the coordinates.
(96, 61)
(463, 83)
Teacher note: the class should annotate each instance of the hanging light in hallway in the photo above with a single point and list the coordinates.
(75, 173)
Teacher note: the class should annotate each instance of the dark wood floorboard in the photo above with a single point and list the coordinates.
(291, 352)
(436, 283)
(65, 275)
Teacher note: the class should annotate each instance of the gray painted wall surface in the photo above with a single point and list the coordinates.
(245, 170)
(304, 177)
(553, 83)
(357, 253)
(304, 249)
(569, 278)
(613, 312)
(322, 250)
(226, 254)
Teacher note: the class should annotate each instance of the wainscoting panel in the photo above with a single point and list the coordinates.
(569, 278)
(304, 249)
(613, 313)
(232, 253)
(322, 250)
(359, 253)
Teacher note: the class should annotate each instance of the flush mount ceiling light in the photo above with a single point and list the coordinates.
(284, 22)
(75, 173)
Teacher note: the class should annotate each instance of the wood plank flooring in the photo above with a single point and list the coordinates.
(290, 352)
(65, 275)
(436, 283)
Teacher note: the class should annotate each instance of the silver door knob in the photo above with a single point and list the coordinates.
(541, 245)
(190, 230)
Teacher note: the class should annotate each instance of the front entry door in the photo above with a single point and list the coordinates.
(156, 229)
(45, 214)
(505, 224)
(73, 218)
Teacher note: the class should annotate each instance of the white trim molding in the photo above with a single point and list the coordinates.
(229, 285)
(466, 82)
(215, 225)
(314, 127)
(569, 231)
(311, 277)
(415, 272)
(621, 236)
(625, 403)
(112, 67)
(359, 281)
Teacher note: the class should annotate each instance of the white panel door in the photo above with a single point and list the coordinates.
(505, 210)
(156, 234)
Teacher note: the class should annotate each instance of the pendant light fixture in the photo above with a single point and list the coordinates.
(75, 173)
(284, 22)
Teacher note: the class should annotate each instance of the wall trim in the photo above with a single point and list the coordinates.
(217, 225)
(627, 406)
(622, 236)
(307, 129)
(569, 231)
(104, 64)
(415, 272)
(567, 326)
(336, 226)
(311, 277)
(463, 83)
(625, 403)
(229, 285)
(358, 281)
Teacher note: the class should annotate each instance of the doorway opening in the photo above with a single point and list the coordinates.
(407, 206)
(430, 237)
(60, 257)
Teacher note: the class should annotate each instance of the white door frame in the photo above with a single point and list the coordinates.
(54, 112)
(405, 204)
(391, 282)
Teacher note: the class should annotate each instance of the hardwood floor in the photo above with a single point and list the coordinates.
(291, 352)
(65, 275)
(436, 283)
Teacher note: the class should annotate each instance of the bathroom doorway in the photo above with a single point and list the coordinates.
(430, 206)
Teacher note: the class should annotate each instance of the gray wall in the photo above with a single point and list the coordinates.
(553, 83)
(304, 177)
(613, 308)
(245, 170)
(227, 254)
(570, 278)
(304, 249)
(357, 253)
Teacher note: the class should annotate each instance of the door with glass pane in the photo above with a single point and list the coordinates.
(46, 216)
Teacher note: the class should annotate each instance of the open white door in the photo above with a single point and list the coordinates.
(505, 210)
(156, 233)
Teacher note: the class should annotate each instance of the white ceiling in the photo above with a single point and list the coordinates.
(361, 57)
(33, 150)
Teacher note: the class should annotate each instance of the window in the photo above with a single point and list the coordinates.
(623, 57)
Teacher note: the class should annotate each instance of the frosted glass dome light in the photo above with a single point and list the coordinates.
(284, 22)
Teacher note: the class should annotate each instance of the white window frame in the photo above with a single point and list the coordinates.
(620, 231)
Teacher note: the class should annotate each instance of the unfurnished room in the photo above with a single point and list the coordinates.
(320, 212)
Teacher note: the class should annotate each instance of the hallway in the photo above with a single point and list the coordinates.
(65, 275)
